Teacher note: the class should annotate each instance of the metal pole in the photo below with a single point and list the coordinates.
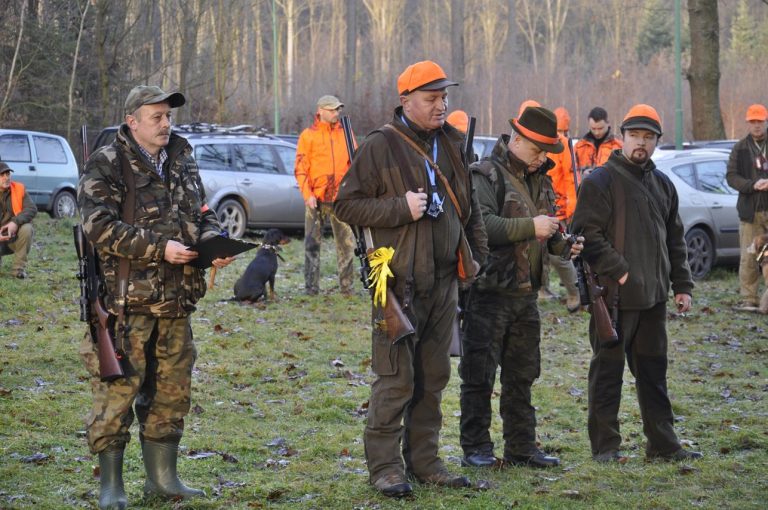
(275, 66)
(678, 82)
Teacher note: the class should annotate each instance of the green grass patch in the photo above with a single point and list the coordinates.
(280, 391)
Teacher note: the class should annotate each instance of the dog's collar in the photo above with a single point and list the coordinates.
(274, 248)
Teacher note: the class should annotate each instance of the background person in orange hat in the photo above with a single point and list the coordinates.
(502, 322)
(638, 258)
(16, 213)
(458, 119)
(748, 174)
(321, 162)
(596, 145)
(394, 187)
(565, 203)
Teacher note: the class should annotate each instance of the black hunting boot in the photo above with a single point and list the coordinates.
(160, 464)
(112, 492)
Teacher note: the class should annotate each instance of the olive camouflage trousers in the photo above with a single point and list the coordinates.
(161, 353)
(500, 330)
(314, 223)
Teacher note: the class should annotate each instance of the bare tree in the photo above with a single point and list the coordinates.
(10, 85)
(704, 71)
(71, 92)
(528, 15)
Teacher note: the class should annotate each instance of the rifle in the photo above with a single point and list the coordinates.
(605, 324)
(92, 308)
(469, 139)
(392, 318)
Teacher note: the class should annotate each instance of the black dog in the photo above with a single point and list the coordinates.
(262, 269)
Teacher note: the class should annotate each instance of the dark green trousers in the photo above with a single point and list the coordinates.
(643, 340)
(501, 330)
(404, 416)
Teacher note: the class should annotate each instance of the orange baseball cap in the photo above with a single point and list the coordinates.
(424, 75)
(757, 112)
(458, 119)
(642, 116)
(563, 119)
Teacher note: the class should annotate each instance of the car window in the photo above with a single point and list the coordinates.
(256, 157)
(49, 150)
(288, 157)
(214, 156)
(686, 173)
(711, 178)
(15, 148)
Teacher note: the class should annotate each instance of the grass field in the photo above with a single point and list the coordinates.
(280, 394)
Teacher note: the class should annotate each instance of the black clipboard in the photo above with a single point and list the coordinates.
(218, 247)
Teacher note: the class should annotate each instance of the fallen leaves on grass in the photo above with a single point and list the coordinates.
(205, 454)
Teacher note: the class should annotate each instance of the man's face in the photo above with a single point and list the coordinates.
(527, 152)
(151, 126)
(598, 128)
(757, 129)
(329, 115)
(639, 145)
(426, 108)
(5, 181)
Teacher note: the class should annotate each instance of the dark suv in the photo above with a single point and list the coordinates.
(247, 175)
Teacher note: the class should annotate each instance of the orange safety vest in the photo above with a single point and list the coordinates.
(17, 197)
(321, 160)
(562, 181)
(589, 157)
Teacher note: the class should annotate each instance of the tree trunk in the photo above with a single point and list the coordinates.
(9, 87)
(71, 93)
(350, 56)
(457, 48)
(704, 71)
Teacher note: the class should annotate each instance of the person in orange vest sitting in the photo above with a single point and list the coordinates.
(596, 146)
(16, 213)
(321, 163)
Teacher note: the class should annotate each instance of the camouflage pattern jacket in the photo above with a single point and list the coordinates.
(510, 197)
(167, 208)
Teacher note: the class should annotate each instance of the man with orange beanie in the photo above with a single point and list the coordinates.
(748, 174)
(628, 213)
(321, 163)
(16, 212)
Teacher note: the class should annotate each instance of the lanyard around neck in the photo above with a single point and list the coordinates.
(430, 171)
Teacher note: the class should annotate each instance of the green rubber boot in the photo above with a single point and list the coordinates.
(160, 464)
(112, 492)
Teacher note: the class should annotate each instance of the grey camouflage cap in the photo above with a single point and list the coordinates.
(150, 94)
(329, 102)
(5, 168)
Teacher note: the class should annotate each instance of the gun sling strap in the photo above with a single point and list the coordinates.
(128, 215)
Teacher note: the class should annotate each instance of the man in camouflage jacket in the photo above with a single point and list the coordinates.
(502, 325)
(170, 216)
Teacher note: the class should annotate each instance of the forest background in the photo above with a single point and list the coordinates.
(69, 62)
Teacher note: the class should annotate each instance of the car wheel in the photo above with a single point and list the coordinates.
(701, 252)
(232, 218)
(64, 205)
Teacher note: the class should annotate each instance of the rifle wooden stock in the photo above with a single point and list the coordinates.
(397, 324)
(604, 326)
(93, 311)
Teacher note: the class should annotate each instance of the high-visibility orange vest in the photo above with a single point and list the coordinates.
(17, 197)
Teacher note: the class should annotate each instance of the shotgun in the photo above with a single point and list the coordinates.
(391, 318)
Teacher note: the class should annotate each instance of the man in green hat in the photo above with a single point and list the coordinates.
(501, 324)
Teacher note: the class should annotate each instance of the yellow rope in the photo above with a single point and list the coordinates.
(380, 271)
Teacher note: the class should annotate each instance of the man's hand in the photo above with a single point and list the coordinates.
(623, 279)
(417, 203)
(761, 185)
(8, 231)
(311, 202)
(577, 247)
(545, 226)
(683, 302)
(177, 253)
(223, 262)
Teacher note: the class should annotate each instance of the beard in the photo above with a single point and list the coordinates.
(639, 156)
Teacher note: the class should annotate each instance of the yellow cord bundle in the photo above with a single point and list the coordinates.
(380, 271)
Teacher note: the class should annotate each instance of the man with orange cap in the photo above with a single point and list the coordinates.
(409, 187)
(458, 119)
(565, 203)
(502, 326)
(628, 212)
(16, 212)
(748, 174)
(321, 162)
